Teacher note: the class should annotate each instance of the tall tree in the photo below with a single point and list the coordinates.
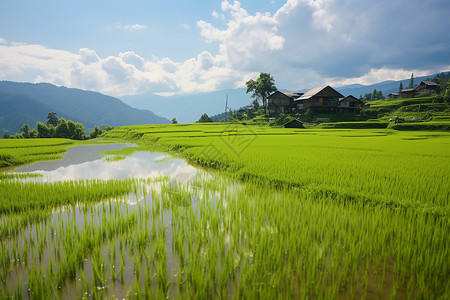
(25, 130)
(52, 119)
(411, 82)
(205, 118)
(400, 88)
(62, 130)
(261, 88)
(43, 131)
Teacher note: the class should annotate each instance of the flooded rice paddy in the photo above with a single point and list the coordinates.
(180, 232)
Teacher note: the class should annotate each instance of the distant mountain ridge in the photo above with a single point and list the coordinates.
(387, 87)
(189, 108)
(29, 102)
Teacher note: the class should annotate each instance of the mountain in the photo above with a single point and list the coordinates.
(29, 103)
(386, 87)
(189, 108)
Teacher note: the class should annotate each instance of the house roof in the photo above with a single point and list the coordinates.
(407, 90)
(288, 94)
(427, 82)
(294, 123)
(351, 97)
(316, 91)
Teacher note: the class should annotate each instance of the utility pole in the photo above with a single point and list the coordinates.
(226, 108)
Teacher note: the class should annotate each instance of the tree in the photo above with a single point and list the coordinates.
(43, 131)
(52, 119)
(6, 136)
(33, 133)
(25, 130)
(411, 82)
(205, 119)
(78, 132)
(255, 105)
(174, 121)
(95, 132)
(400, 88)
(261, 88)
(62, 130)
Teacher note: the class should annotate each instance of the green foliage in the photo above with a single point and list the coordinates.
(355, 125)
(25, 131)
(428, 126)
(375, 95)
(205, 119)
(94, 133)
(411, 82)
(261, 88)
(52, 119)
(174, 121)
(282, 119)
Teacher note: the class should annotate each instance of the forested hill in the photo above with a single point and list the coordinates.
(28, 103)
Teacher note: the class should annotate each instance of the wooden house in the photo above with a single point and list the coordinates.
(350, 104)
(426, 88)
(393, 95)
(294, 124)
(407, 93)
(280, 102)
(322, 99)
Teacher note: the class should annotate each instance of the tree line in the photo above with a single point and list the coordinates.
(57, 128)
(375, 95)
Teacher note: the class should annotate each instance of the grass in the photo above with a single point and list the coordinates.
(314, 214)
(14, 152)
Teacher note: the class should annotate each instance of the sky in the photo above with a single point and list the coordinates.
(169, 47)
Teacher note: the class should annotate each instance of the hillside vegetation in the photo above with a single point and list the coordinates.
(22, 103)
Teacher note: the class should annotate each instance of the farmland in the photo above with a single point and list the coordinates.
(15, 152)
(290, 213)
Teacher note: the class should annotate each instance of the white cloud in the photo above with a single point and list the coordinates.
(134, 27)
(383, 74)
(124, 74)
(306, 43)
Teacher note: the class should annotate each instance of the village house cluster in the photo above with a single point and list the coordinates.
(426, 87)
(323, 99)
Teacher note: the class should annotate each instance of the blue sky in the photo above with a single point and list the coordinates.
(177, 46)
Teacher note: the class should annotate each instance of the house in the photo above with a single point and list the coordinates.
(407, 93)
(393, 95)
(294, 124)
(427, 87)
(350, 104)
(280, 102)
(322, 99)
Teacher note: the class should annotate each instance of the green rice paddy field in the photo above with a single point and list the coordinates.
(278, 213)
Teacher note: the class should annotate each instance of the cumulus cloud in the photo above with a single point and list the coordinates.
(124, 74)
(134, 27)
(311, 41)
(304, 44)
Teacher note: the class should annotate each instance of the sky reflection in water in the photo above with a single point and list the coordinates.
(137, 165)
